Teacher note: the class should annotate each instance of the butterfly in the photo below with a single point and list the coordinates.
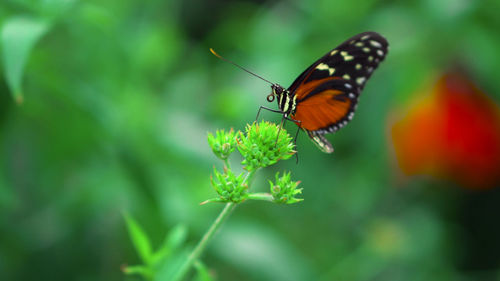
(324, 97)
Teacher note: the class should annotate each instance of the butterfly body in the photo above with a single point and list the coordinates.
(287, 102)
(324, 97)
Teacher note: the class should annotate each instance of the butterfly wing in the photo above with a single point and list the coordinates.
(327, 107)
(327, 92)
(354, 60)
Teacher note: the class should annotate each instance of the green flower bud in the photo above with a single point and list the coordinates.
(284, 189)
(223, 143)
(229, 187)
(262, 146)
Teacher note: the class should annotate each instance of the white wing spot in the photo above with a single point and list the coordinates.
(366, 49)
(346, 56)
(345, 122)
(380, 53)
(352, 96)
(369, 69)
(360, 80)
(358, 66)
(359, 44)
(365, 37)
(324, 66)
(341, 125)
(333, 52)
(375, 44)
(370, 58)
(350, 115)
(348, 86)
(346, 77)
(352, 42)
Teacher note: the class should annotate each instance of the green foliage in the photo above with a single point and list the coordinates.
(222, 144)
(19, 36)
(263, 144)
(140, 240)
(229, 187)
(173, 242)
(118, 98)
(284, 189)
(203, 273)
(162, 262)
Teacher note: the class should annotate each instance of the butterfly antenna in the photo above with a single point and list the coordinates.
(224, 59)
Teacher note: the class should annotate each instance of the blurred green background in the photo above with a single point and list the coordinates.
(117, 99)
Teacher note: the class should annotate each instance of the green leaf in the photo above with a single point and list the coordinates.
(19, 36)
(171, 267)
(173, 241)
(139, 238)
(139, 270)
(202, 270)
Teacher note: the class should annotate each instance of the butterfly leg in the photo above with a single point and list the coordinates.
(266, 108)
(279, 130)
(296, 134)
(298, 129)
(282, 124)
(275, 111)
(295, 140)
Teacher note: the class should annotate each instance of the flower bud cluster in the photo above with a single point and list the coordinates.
(264, 144)
(229, 187)
(284, 189)
(223, 143)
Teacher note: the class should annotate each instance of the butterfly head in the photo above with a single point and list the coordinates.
(286, 101)
(276, 91)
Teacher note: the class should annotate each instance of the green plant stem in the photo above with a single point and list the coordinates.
(226, 163)
(249, 177)
(198, 250)
(261, 196)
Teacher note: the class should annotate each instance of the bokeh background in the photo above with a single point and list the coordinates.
(105, 107)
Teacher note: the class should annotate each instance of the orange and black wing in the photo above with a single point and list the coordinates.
(327, 92)
(354, 61)
(327, 108)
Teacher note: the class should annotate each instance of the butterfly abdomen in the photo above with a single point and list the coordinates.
(321, 142)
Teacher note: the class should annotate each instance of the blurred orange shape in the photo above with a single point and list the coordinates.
(453, 133)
